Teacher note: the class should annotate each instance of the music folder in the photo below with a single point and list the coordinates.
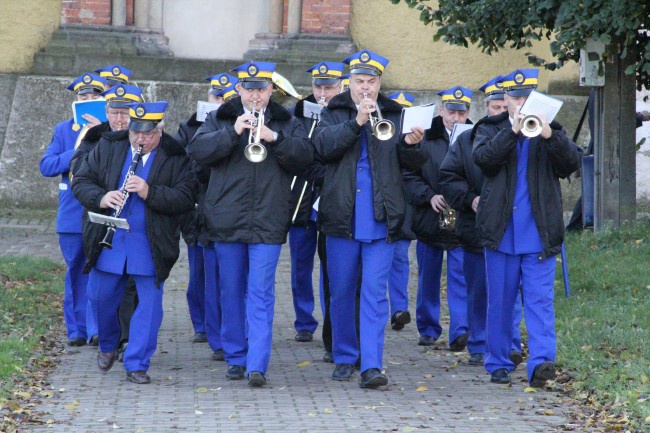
(96, 107)
(203, 108)
(311, 110)
(418, 116)
(540, 104)
(120, 223)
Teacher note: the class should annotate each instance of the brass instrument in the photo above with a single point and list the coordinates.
(531, 126)
(284, 86)
(382, 128)
(255, 151)
(447, 218)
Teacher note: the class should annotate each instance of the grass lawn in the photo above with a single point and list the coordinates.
(604, 327)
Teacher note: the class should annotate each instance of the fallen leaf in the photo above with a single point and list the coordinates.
(24, 395)
(311, 414)
(549, 412)
(394, 363)
(326, 410)
(198, 412)
(407, 429)
(529, 389)
(303, 364)
(115, 426)
(421, 388)
(202, 389)
(232, 415)
(427, 376)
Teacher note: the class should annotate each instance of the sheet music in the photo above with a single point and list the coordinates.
(95, 107)
(203, 108)
(420, 116)
(539, 104)
(311, 110)
(316, 204)
(459, 128)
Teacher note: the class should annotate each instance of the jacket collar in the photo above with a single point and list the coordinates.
(95, 133)
(344, 100)
(167, 143)
(438, 130)
(234, 108)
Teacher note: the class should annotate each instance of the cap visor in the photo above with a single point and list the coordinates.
(111, 82)
(215, 91)
(140, 126)
(254, 84)
(119, 104)
(325, 81)
(519, 92)
(457, 107)
(86, 90)
(364, 71)
(494, 96)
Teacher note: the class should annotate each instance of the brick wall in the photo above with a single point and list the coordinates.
(92, 12)
(330, 17)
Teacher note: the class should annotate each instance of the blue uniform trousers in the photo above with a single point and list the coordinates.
(247, 281)
(504, 273)
(212, 298)
(79, 320)
(105, 292)
(474, 268)
(398, 279)
(428, 299)
(343, 257)
(302, 245)
(196, 287)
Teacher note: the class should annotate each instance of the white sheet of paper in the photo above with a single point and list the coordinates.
(539, 104)
(316, 203)
(459, 128)
(203, 108)
(311, 110)
(420, 116)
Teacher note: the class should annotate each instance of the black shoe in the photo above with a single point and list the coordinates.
(399, 319)
(236, 372)
(256, 379)
(343, 372)
(94, 341)
(500, 376)
(516, 357)
(121, 350)
(372, 378)
(426, 340)
(543, 372)
(459, 344)
(77, 342)
(328, 357)
(139, 376)
(200, 337)
(476, 359)
(218, 355)
(304, 336)
(105, 360)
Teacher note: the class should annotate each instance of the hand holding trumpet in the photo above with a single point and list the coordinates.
(519, 119)
(366, 108)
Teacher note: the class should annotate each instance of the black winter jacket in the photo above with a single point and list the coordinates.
(337, 141)
(87, 144)
(171, 192)
(461, 181)
(549, 159)
(245, 201)
(423, 184)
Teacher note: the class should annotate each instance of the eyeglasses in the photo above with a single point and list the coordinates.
(146, 135)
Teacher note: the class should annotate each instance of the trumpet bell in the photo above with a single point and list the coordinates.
(383, 129)
(255, 152)
(531, 126)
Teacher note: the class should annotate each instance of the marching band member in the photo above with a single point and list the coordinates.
(434, 238)
(361, 211)
(55, 162)
(114, 75)
(247, 210)
(519, 221)
(161, 187)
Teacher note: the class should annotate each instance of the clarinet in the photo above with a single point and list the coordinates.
(107, 242)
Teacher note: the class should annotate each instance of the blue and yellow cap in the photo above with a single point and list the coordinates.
(227, 93)
(493, 89)
(122, 95)
(87, 83)
(114, 74)
(146, 115)
(456, 98)
(520, 82)
(255, 75)
(221, 81)
(345, 81)
(403, 98)
(326, 73)
(366, 62)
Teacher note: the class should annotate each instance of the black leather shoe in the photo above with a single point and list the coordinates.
(105, 360)
(500, 376)
(200, 337)
(256, 379)
(399, 319)
(476, 359)
(372, 378)
(516, 357)
(218, 355)
(94, 341)
(459, 344)
(77, 342)
(304, 336)
(426, 340)
(121, 350)
(328, 357)
(139, 376)
(543, 372)
(236, 372)
(343, 372)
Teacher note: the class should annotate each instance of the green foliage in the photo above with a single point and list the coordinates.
(496, 24)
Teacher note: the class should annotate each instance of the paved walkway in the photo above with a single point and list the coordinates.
(429, 390)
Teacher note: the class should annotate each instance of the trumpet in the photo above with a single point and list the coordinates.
(255, 151)
(382, 128)
(531, 126)
(321, 101)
